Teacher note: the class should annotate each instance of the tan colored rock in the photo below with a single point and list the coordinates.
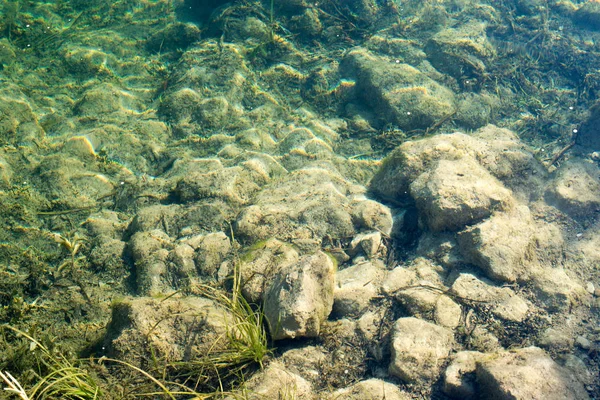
(144, 327)
(454, 194)
(503, 301)
(419, 348)
(500, 245)
(459, 376)
(447, 312)
(371, 389)
(555, 289)
(277, 382)
(300, 297)
(527, 374)
(576, 189)
(356, 286)
(497, 150)
(260, 263)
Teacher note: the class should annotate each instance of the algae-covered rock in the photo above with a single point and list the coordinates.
(300, 297)
(461, 52)
(105, 99)
(399, 93)
(19, 124)
(587, 15)
(304, 204)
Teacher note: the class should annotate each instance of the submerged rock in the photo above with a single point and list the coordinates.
(461, 52)
(371, 389)
(457, 193)
(398, 92)
(527, 373)
(576, 189)
(145, 327)
(500, 245)
(419, 349)
(300, 297)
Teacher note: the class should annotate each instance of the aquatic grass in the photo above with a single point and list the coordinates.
(243, 345)
(64, 380)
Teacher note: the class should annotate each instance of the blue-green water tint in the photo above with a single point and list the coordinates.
(179, 119)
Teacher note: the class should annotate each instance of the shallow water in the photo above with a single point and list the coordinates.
(137, 137)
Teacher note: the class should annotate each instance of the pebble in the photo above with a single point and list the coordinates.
(584, 343)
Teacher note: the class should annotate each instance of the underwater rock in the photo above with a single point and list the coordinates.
(69, 182)
(398, 92)
(144, 327)
(461, 52)
(497, 150)
(276, 381)
(368, 244)
(401, 49)
(459, 376)
(174, 37)
(309, 203)
(587, 15)
(576, 189)
(371, 389)
(447, 312)
(106, 98)
(210, 252)
(88, 62)
(19, 124)
(588, 135)
(355, 287)
(234, 185)
(474, 110)
(300, 297)
(107, 256)
(527, 373)
(419, 349)
(555, 289)
(503, 302)
(454, 194)
(369, 214)
(260, 263)
(500, 244)
(149, 251)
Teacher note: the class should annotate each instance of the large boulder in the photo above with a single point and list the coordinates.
(497, 150)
